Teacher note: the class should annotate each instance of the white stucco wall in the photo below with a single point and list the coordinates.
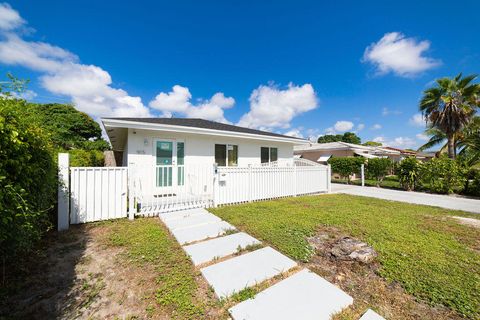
(199, 149)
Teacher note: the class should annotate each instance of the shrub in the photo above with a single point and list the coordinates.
(86, 158)
(27, 181)
(408, 171)
(473, 183)
(443, 175)
(378, 168)
(346, 166)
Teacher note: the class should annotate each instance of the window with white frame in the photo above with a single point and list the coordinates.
(268, 154)
(226, 155)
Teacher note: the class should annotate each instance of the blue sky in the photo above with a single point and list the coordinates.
(297, 67)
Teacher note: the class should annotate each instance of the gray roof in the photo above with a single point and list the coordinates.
(204, 124)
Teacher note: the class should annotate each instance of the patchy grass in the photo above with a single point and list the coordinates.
(147, 242)
(432, 256)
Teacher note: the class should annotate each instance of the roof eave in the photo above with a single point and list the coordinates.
(195, 130)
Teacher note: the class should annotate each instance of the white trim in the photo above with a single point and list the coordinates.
(324, 158)
(194, 130)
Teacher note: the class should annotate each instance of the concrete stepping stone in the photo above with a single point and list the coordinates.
(302, 296)
(201, 232)
(234, 275)
(182, 214)
(191, 221)
(371, 315)
(220, 247)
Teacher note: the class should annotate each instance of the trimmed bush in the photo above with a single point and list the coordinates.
(443, 175)
(28, 181)
(346, 166)
(408, 171)
(378, 168)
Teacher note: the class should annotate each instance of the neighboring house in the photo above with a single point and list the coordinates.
(321, 152)
(422, 156)
(161, 148)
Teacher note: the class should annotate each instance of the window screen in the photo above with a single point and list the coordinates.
(273, 154)
(221, 155)
(264, 155)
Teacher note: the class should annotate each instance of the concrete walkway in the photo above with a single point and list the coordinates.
(436, 200)
(229, 267)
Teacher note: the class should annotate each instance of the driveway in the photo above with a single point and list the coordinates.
(436, 200)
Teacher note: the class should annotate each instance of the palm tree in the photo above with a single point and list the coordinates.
(470, 142)
(450, 105)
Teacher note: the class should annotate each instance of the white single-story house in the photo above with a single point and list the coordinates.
(159, 149)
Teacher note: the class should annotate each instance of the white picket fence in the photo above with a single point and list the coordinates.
(246, 184)
(159, 189)
(97, 193)
(88, 194)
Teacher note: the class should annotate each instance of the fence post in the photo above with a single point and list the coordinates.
(363, 174)
(250, 182)
(294, 180)
(63, 193)
(329, 178)
(215, 185)
(131, 195)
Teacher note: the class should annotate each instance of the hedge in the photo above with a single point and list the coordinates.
(28, 181)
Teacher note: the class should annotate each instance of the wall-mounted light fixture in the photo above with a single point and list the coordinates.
(145, 142)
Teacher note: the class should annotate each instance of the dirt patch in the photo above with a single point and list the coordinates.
(468, 221)
(359, 277)
(77, 275)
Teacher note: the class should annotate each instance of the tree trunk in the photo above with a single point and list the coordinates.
(451, 146)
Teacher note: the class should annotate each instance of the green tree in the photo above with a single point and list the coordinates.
(450, 105)
(351, 137)
(346, 166)
(372, 144)
(330, 138)
(408, 171)
(68, 127)
(378, 168)
(348, 137)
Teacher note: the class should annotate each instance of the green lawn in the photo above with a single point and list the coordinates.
(432, 257)
(148, 242)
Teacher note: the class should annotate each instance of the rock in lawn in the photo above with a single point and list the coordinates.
(351, 249)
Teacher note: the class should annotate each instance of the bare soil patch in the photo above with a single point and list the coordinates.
(351, 265)
(77, 275)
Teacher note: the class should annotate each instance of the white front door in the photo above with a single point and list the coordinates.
(169, 164)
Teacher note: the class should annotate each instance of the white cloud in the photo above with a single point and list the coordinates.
(417, 120)
(398, 142)
(294, 133)
(387, 112)
(376, 126)
(9, 18)
(88, 86)
(26, 95)
(360, 127)
(342, 126)
(423, 137)
(178, 101)
(398, 54)
(272, 107)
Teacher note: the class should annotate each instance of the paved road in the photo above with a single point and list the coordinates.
(436, 200)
